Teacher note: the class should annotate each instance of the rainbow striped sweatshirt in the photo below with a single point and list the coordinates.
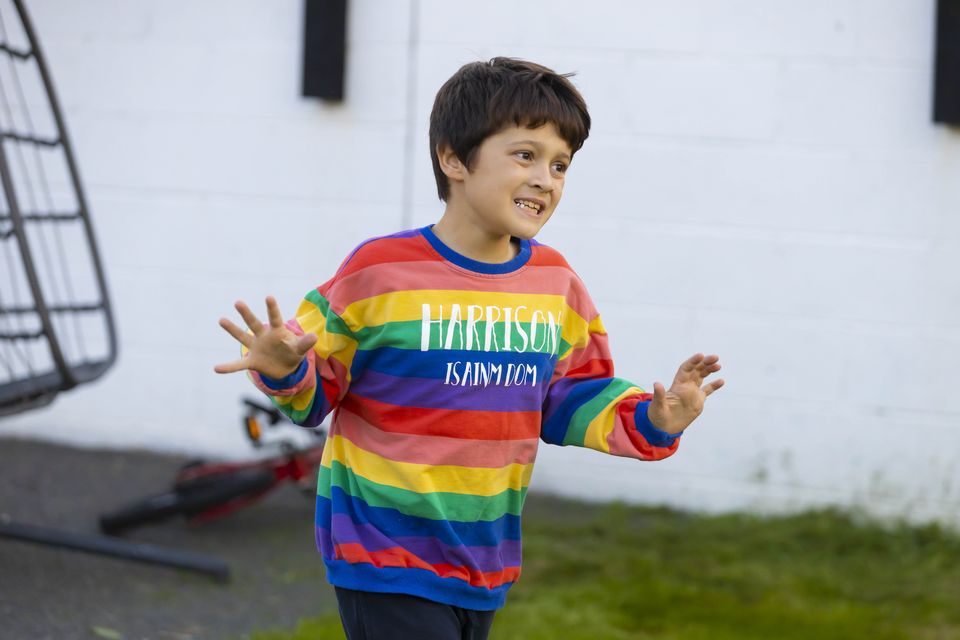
(443, 374)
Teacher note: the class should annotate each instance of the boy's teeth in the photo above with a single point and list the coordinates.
(528, 205)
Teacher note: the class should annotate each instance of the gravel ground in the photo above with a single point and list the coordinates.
(45, 592)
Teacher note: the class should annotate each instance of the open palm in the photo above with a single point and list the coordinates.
(272, 349)
(673, 410)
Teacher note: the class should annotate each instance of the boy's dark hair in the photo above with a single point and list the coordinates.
(482, 98)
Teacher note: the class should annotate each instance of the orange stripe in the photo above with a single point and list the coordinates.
(449, 423)
(355, 553)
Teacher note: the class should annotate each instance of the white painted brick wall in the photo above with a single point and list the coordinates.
(763, 181)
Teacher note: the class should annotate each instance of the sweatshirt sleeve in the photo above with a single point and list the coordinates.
(587, 406)
(308, 394)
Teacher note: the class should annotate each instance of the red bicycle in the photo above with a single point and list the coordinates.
(203, 491)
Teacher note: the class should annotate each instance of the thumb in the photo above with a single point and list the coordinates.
(305, 343)
(659, 393)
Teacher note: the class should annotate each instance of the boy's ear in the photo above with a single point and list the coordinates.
(450, 164)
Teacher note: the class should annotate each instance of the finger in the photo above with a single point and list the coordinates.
(255, 325)
(710, 360)
(705, 371)
(232, 367)
(305, 343)
(691, 363)
(713, 386)
(273, 313)
(238, 334)
(659, 393)
(709, 364)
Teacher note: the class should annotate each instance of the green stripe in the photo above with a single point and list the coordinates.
(288, 410)
(583, 416)
(335, 323)
(407, 335)
(438, 505)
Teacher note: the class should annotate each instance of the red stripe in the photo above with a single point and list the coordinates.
(434, 450)
(388, 249)
(377, 279)
(450, 423)
(625, 440)
(355, 553)
(542, 256)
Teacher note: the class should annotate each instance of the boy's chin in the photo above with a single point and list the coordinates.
(524, 234)
(526, 231)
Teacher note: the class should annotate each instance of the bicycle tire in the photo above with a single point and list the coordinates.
(187, 500)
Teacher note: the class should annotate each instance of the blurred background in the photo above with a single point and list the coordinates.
(764, 180)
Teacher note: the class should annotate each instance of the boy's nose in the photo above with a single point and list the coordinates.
(542, 180)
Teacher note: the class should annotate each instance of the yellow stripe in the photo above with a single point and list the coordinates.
(335, 345)
(406, 306)
(402, 306)
(600, 427)
(302, 400)
(425, 478)
(578, 336)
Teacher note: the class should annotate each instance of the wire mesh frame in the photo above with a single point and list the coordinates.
(39, 389)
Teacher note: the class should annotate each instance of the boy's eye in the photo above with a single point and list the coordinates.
(559, 167)
(525, 155)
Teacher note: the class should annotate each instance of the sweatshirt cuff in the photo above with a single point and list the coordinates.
(289, 380)
(653, 435)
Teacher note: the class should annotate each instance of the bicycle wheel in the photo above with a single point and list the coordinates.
(188, 500)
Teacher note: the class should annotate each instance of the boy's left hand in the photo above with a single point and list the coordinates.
(673, 410)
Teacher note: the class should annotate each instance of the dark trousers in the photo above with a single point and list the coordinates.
(395, 616)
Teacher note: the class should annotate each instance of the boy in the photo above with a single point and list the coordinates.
(445, 353)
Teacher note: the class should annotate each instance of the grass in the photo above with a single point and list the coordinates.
(615, 572)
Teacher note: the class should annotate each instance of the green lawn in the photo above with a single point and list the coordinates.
(594, 572)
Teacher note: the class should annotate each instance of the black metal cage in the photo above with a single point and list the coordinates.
(56, 324)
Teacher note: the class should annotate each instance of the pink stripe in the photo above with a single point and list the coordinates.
(383, 278)
(434, 450)
(626, 441)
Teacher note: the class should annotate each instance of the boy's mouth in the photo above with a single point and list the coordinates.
(529, 206)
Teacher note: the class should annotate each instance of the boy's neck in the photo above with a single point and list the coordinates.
(472, 241)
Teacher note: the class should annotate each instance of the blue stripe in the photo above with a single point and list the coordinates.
(474, 265)
(433, 364)
(417, 582)
(653, 435)
(395, 524)
(555, 427)
(289, 380)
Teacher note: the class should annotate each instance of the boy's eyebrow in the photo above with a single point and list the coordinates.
(536, 144)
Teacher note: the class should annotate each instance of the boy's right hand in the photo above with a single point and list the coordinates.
(272, 350)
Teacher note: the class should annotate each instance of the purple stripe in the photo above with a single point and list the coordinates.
(557, 394)
(427, 548)
(434, 394)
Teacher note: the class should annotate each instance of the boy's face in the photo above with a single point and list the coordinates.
(516, 181)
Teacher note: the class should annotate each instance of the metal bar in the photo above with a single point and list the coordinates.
(16, 53)
(23, 403)
(62, 308)
(43, 217)
(44, 386)
(43, 142)
(33, 280)
(107, 546)
(75, 177)
(23, 335)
